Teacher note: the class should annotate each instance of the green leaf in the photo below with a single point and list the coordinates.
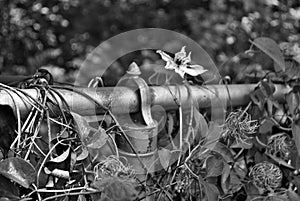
(96, 139)
(224, 178)
(292, 100)
(18, 170)
(82, 125)
(280, 161)
(211, 191)
(201, 123)
(8, 189)
(90, 137)
(235, 182)
(297, 58)
(164, 157)
(224, 151)
(296, 134)
(240, 168)
(114, 188)
(214, 166)
(213, 135)
(260, 95)
(270, 47)
(252, 192)
(266, 126)
(268, 88)
(247, 144)
(293, 196)
(292, 70)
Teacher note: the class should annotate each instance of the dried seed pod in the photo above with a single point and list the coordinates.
(266, 176)
(239, 127)
(280, 145)
(111, 167)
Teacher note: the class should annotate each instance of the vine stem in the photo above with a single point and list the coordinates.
(245, 110)
(36, 132)
(49, 130)
(113, 118)
(63, 190)
(46, 157)
(70, 194)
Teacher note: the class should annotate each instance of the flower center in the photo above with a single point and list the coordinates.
(178, 62)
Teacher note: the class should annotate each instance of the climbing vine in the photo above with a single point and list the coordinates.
(53, 153)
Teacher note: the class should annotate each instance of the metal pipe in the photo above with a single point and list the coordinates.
(126, 100)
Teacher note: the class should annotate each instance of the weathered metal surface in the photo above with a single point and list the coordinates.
(143, 138)
(147, 159)
(126, 100)
(140, 128)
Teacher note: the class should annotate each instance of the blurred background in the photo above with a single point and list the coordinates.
(59, 34)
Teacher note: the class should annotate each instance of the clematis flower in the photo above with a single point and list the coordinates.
(181, 63)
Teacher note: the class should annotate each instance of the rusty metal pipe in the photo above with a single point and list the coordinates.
(126, 100)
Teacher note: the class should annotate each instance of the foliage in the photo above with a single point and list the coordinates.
(61, 33)
(254, 155)
(58, 154)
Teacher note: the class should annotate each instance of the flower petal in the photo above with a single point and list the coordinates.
(187, 59)
(189, 56)
(164, 56)
(171, 65)
(180, 72)
(180, 55)
(194, 70)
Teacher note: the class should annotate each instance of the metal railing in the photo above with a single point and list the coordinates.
(125, 99)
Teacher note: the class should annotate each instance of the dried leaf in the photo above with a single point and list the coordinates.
(62, 157)
(83, 155)
(60, 173)
(18, 170)
(269, 47)
(61, 162)
(57, 173)
(73, 160)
